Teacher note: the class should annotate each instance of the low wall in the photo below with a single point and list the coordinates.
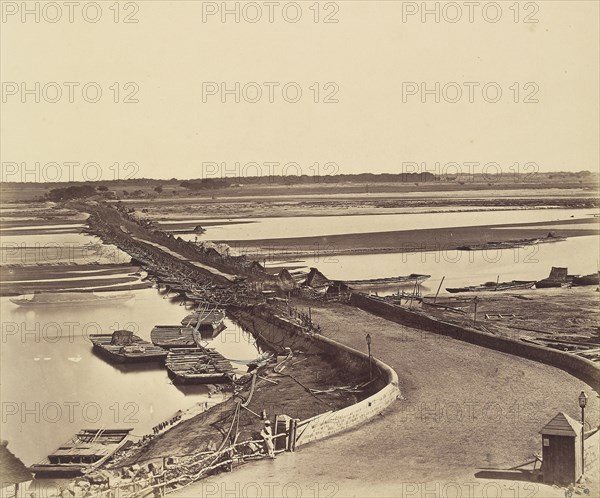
(584, 369)
(285, 333)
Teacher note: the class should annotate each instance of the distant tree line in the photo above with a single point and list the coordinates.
(207, 183)
(72, 192)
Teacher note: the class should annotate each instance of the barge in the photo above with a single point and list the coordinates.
(173, 336)
(122, 346)
(205, 320)
(198, 366)
(89, 448)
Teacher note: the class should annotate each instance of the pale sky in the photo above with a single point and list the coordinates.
(370, 55)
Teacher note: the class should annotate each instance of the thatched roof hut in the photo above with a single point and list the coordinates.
(285, 277)
(316, 279)
(12, 470)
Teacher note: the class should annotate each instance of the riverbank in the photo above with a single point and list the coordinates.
(469, 415)
(440, 240)
(283, 389)
(18, 279)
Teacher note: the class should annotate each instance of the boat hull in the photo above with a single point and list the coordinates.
(593, 279)
(100, 346)
(517, 285)
(92, 299)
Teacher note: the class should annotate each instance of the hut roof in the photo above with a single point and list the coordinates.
(562, 425)
(12, 470)
(557, 273)
(285, 276)
(338, 286)
(316, 279)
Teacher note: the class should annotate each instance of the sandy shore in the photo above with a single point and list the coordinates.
(433, 239)
(15, 280)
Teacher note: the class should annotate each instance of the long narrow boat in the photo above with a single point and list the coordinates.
(401, 279)
(512, 244)
(89, 448)
(591, 279)
(198, 366)
(71, 298)
(173, 336)
(494, 287)
(123, 347)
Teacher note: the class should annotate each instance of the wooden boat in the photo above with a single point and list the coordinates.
(401, 279)
(198, 366)
(123, 347)
(71, 298)
(494, 287)
(591, 279)
(512, 244)
(173, 336)
(89, 448)
(558, 278)
(204, 320)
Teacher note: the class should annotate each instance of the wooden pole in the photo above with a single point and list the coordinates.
(497, 282)
(438, 291)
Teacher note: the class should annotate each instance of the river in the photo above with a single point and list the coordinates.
(313, 226)
(53, 384)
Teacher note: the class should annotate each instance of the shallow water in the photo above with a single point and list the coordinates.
(58, 248)
(53, 384)
(578, 254)
(311, 226)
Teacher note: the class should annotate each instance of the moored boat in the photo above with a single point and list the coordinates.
(399, 280)
(122, 346)
(558, 278)
(71, 298)
(494, 287)
(591, 279)
(205, 320)
(198, 366)
(173, 336)
(89, 448)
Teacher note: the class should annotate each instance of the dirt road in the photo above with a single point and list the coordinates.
(467, 410)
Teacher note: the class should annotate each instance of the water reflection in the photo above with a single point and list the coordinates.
(53, 384)
(461, 268)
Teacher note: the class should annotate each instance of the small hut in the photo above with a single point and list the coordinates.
(211, 254)
(316, 279)
(561, 450)
(12, 472)
(286, 279)
(338, 290)
(255, 267)
(122, 338)
(558, 274)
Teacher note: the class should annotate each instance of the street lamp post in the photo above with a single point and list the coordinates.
(475, 301)
(369, 348)
(582, 402)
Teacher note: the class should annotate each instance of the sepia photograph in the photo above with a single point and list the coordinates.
(300, 249)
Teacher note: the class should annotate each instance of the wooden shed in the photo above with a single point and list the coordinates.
(561, 450)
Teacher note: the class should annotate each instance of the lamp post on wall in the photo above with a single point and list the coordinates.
(475, 302)
(582, 402)
(368, 338)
